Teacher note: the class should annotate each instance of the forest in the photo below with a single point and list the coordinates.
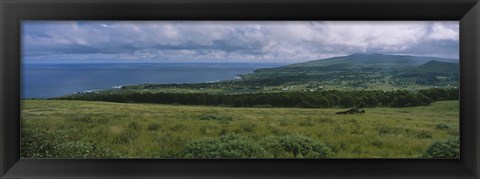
(316, 99)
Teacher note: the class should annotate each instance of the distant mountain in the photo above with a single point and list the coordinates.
(438, 67)
(375, 59)
(360, 61)
(362, 71)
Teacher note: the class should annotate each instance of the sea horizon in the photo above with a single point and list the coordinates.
(47, 80)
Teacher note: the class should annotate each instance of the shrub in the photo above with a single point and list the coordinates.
(179, 127)
(385, 129)
(79, 149)
(223, 132)
(263, 106)
(357, 130)
(134, 126)
(339, 130)
(153, 126)
(205, 129)
(37, 144)
(295, 146)
(376, 143)
(227, 146)
(306, 123)
(449, 148)
(126, 137)
(208, 117)
(351, 111)
(326, 120)
(442, 126)
(40, 144)
(284, 123)
(423, 135)
(338, 145)
(81, 118)
(248, 127)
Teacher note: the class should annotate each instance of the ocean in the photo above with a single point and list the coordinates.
(52, 80)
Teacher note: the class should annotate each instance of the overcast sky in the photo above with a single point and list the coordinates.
(221, 41)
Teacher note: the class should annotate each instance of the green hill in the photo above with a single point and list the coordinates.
(311, 68)
(359, 61)
(373, 59)
(362, 71)
(357, 71)
(438, 67)
(371, 62)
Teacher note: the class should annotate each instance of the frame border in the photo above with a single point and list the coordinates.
(13, 11)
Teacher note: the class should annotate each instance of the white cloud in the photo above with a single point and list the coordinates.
(234, 41)
(392, 36)
(441, 31)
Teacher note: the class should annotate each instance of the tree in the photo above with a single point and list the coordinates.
(371, 101)
(346, 101)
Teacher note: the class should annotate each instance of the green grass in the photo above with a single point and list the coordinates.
(164, 131)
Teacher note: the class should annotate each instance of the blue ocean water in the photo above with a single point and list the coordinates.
(51, 80)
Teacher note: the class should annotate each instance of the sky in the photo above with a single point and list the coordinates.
(230, 41)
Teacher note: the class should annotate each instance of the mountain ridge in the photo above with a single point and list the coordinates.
(362, 71)
(361, 60)
(374, 58)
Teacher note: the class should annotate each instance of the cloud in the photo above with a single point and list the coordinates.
(292, 41)
(441, 31)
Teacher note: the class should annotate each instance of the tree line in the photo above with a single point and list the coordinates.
(316, 99)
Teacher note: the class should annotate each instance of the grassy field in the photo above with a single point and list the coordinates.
(163, 131)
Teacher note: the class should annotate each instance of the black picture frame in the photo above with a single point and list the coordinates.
(14, 11)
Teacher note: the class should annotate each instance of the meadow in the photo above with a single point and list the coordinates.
(93, 129)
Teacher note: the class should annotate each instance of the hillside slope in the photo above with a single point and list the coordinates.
(373, 59)
(363, 71)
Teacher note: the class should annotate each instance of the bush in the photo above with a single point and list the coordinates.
(351, 111)
(248, 127)
(126, 137)
(79, 149)
(423, 135)
(37, 144)
(306, 123)
(81, 118)
(227, 146)
(205, 129)
(179, 127)
(385, 130)
(326, 120)
(134, 126)
(295, 146)
(263, 106)
(376, 143)
(442, 126)
(153, 126)
(443, 149)
(284, 123)
(208, 117)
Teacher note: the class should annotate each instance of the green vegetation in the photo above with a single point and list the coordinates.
(227, 146)
(37, 143)
(320, 99)
(237, 146)
(409, 108)
(443, 149)
(295, 146)
(55, 128)
(361, 72)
